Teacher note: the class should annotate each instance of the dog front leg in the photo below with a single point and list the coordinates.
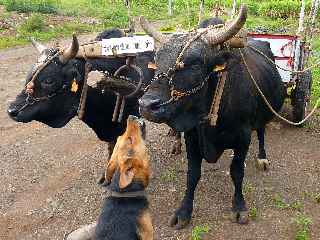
(145, 227)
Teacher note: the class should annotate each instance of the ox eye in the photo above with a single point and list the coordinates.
(48, 81)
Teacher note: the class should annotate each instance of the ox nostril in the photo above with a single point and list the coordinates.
(151, 104)
(13, 112)
(154, 104)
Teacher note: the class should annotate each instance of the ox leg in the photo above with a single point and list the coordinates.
(239, 209)
(102, 178)
(262, 162)
(182, 215)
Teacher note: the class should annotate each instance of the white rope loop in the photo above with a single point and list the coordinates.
(284, 69)
(269, 105)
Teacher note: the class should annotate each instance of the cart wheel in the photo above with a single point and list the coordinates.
(301, 96)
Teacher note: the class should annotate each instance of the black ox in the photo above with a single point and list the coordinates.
(59, 102)
(181, 96)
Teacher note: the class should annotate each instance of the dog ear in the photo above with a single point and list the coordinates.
(110, 169)
(127, 173)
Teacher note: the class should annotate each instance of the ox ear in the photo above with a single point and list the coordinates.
(71, 72)
(223, 60)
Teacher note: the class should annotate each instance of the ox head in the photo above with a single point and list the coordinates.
(178, 94)
(52, 87)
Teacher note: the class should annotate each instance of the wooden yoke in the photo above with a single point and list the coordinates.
(116, 47)
(90, 50)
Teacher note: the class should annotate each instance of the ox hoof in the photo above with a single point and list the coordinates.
(240, 217)
(176, 149)
(263, 164)
(86, 232)
(178, 223)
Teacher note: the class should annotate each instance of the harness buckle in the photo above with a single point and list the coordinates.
(176, 95)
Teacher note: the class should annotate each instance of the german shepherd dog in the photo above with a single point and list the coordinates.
(125, 214)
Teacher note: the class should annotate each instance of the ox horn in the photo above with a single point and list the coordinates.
(40, 48)
(151, 31)
(219, 36)
(71, 51)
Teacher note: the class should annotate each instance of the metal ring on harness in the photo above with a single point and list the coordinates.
(120, 102)
(138, 70)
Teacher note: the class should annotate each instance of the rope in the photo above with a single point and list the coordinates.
(288, 70)
(198, 35)
(215, 105)
(46, 63)
(269, 105)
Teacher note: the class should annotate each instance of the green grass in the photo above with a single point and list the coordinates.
(247, 188)
(253, 213)
(303, 224)
(170, 175)
(26, 6)
(64, 30)
(199, 231)
(33, 24)
(280, 203)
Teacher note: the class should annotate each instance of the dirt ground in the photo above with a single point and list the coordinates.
(48, 177)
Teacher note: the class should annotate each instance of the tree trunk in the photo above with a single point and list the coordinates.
(170, 7)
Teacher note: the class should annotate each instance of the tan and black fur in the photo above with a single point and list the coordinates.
(128, 171)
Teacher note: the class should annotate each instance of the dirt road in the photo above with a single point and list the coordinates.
(48, 177)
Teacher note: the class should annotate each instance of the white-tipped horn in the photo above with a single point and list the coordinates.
(71, 51)
(40, 48)
(151, 31)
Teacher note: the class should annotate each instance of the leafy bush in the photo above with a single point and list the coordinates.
(115, 17)
(41, 6)
(33, 24)
(303, 224)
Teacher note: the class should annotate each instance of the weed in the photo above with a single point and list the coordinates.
(198, 231)
(303, 223)
(296, 205)
(317, 197)
(247, 188)
(167, 28)
(26, 6)
(279, 202)
(253, 213)
(57, 32)
(116, 17)
(33, 24)
(170, 175)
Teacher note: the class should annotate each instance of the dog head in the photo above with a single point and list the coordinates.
(130, 158)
